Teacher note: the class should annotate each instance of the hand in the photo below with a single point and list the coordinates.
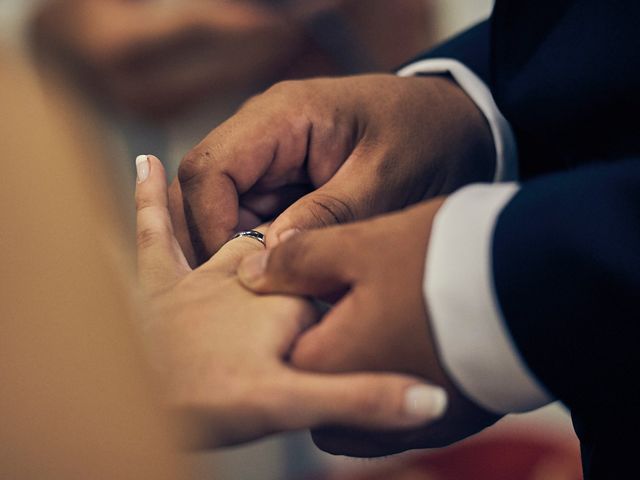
(364, 145)
(374, 269)
(221, 350)
(155, 58)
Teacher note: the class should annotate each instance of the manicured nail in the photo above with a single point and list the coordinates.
(287, 234)
(142, 167)
(425, 402)
(253, 267)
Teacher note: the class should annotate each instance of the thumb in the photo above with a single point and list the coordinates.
(160, 259)
(315, 263)
(355, 192)
(371, 401)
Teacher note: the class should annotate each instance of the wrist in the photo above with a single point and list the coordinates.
(463, 143)
(504, 142)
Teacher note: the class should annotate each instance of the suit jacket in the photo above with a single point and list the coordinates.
(566, 250)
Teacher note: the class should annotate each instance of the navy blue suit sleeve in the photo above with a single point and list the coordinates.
(565, 73)
(470, 47)
(566, 259)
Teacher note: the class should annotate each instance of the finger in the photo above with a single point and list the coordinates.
(328, 347)
(233, 252)
(227, 164)
(160, 260)
(268, 204)
(247, 220)
(316, 263)
(286, 136)
(210, 199)
(319, 209)
(179, 223)
(379, 401)
(348, 196)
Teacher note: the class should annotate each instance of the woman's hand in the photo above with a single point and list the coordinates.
(221, 350)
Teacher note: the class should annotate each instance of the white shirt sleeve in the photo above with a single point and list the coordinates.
(474, 344)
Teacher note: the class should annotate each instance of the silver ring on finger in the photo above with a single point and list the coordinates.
(251, 234)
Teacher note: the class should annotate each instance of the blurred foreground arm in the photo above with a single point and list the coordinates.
(77, 401)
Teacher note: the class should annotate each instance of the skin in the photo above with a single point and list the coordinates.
(372, 271)
(78, 400)
(202, 323)
(68, 346)
(319, 152)
(156, 59)
(78, 397)
(323, 152)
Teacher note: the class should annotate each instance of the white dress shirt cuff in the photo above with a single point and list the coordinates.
(474, 344)
(479, 93)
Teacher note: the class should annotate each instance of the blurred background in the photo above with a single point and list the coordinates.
(160, 74)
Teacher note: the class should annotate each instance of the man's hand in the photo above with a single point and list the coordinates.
(221, 349)
(361, 145)
(373, 270)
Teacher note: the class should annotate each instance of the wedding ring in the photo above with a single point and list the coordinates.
(251, 234)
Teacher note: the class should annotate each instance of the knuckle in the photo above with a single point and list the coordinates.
(193, 164)
(283, 87)
(289, 93)
(143, 201)
(250, 103)
(148, 237)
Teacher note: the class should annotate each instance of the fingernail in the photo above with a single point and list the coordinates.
(425, 402)
(287, 234)
(142, 167)
(253, 267)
